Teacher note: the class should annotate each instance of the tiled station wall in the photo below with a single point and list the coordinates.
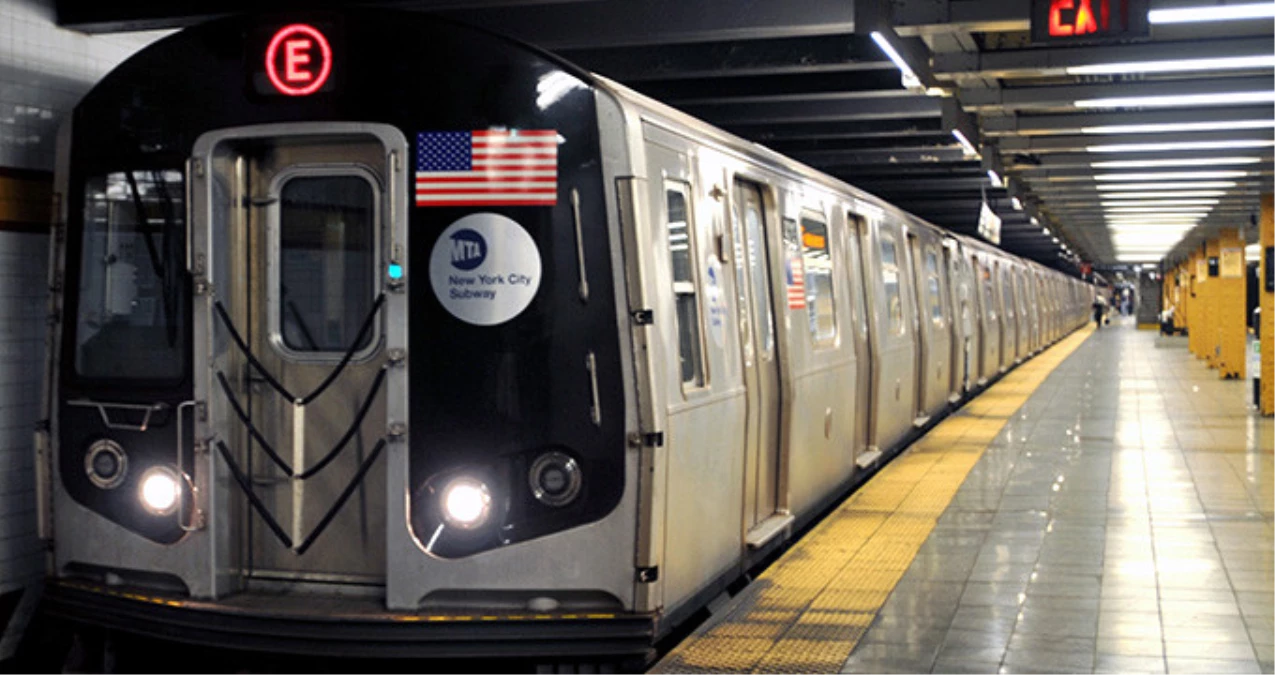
(44, 70)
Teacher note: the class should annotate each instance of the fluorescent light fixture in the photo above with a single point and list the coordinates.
(1158, 209)
(1016, 203)
(909, 76)
(1174, 127)
(1255, 10)
(995, 178)
(1170, 185)
(1182, 161)
(1167, 194)
(1170, 175)
(1055, 239)
(1140, 218)
(970, 150)
(1186, 145)
(1175, 65)
(1035, 221)
(1139, 257)
(1181, 100)
(1161, 202)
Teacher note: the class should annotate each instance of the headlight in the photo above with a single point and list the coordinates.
(555, 479)
(106, 464)
(160, 490)
(466, 503)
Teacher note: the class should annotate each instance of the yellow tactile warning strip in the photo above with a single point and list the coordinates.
(807, 612)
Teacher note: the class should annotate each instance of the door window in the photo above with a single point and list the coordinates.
(818, 263)
(327, 228)
(890, 282)
(755, 243)
(681, 245)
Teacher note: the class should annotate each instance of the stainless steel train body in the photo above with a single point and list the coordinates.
(273, 379)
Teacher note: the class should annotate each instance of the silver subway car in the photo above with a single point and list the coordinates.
(533, 367)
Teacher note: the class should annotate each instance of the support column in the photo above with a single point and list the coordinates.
(1208, 300)
(1230, 294)
(1267, 236)
(1198, 273)
(1183, 296)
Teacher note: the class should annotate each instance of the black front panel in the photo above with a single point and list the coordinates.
(487, 401)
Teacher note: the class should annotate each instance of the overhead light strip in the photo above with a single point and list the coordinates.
(1173, 127)
(1181, 161)
(884, 43)
(1176, 65)
(1256, 10)
(1185, 145)
(1170, 175)
(970, 150)
(1182, 100)
(1164, 194)
(1170, 185)
(1161, 202)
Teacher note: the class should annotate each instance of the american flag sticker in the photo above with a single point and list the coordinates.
(796, 283)
(487, 168)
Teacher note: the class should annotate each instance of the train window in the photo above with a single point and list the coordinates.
(818, 263)
(933, 287)
(756, 240)
(681, 249)
(131, 314)
(326, 258)
(890, 281)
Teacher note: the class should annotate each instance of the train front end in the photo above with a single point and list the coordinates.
(338, 365)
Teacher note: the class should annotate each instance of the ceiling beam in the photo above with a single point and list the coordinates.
(663, 22)
(755, 110)
(1079, 142)
(1074, 123)
(1086, 160)
(1033, 63)
(736, 58)
(1028, 98)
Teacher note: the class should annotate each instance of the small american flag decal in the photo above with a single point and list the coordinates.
(487, 168)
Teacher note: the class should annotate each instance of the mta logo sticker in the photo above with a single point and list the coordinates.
(469, 249)
(485, 269)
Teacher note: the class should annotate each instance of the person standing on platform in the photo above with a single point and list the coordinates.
(1099, 308)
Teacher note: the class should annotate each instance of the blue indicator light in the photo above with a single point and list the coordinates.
(396, 271)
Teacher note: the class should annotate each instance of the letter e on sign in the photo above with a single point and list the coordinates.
(298, 60)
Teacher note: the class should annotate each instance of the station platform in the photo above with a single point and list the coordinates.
(1107, 506)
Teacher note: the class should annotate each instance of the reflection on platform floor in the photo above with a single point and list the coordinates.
(1122, 522)
(1106, 507)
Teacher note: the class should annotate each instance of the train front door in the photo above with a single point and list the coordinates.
(760, 354)
(298, 255)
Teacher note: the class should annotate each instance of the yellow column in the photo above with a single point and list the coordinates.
(1184, 295)
(1208, 324)
(1198, 274)
(1267, 236)
(1230, 293)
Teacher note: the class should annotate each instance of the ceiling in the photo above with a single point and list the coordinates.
(810, 79)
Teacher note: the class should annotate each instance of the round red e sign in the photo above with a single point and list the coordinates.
(298, 60)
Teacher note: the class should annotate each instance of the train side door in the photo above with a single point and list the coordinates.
(895, 379)
(299, 245)
(760, 352)
(990, 319)
(856, 229)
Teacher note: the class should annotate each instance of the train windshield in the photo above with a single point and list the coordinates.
(130, 322)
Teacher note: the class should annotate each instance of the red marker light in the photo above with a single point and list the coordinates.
(299, 60)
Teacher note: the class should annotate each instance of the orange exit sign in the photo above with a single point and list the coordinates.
(1088, 21)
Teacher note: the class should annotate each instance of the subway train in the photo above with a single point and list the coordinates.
(377, 335)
